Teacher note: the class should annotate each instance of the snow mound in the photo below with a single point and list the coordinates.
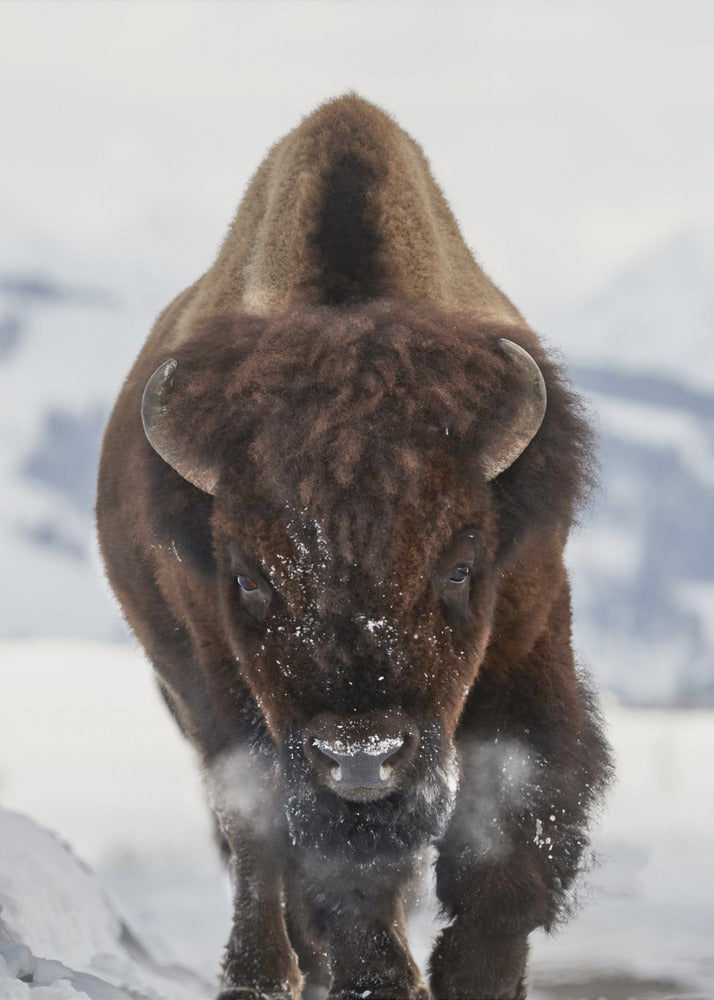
(51, 905)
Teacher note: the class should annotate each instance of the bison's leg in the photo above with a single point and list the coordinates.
(534, 762)
(482, 954)
(512, 850)
(358, 915)
(369, 957)
(259, 961)
(302, 930)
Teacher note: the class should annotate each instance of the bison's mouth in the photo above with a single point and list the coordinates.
(368, 822)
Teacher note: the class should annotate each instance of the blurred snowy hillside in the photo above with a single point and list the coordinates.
(129, 134)
(642, 353)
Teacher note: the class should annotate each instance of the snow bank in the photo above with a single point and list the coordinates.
(61, 933)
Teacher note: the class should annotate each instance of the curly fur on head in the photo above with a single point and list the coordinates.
(344, 412)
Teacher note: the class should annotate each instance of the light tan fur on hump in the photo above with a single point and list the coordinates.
(268, 261)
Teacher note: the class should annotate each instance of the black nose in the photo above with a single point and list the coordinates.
(361, 757)
(362, 764)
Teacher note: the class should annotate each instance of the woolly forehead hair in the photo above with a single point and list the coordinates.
(364, 405)
(348, 415)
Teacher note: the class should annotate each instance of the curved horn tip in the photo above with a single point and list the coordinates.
(527, 419)
(154, 411)
(520, 357)
(152, 399)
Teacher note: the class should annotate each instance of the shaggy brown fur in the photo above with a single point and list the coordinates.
(339, 366)
(344, 208)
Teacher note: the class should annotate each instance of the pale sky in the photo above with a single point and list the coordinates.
(568, 136)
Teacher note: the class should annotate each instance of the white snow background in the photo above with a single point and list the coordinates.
(574, 143)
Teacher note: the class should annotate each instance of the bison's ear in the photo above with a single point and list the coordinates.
(530, 394)
(161, 434)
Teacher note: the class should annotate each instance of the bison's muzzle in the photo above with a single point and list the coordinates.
(361, 757)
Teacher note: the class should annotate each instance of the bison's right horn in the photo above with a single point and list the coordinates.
(159, 433)
(526, 417)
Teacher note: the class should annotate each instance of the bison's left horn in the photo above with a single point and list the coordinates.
(159, 432)
(526, 419)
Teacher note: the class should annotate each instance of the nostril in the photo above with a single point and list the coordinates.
(385, 771)
(390, 759)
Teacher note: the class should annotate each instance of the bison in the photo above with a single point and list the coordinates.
(333, 499)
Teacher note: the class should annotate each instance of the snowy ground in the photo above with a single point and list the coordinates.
(88, 750)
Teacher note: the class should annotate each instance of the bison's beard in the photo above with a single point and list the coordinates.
(389, 828)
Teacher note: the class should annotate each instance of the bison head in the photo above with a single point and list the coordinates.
(367, 507)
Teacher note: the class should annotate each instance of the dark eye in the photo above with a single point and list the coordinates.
(249, 590)
(255, 596)
(460, 573)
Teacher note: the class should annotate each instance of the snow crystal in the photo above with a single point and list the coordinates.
(373, 745)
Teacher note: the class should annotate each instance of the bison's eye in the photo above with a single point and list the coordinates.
(249, 585)
(255, 595)
(457, 573)
(460, 573)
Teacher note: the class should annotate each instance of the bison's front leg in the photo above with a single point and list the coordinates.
(359, 916)
(259, 962)
(506, 862)
(482, 954)
(370, 958)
